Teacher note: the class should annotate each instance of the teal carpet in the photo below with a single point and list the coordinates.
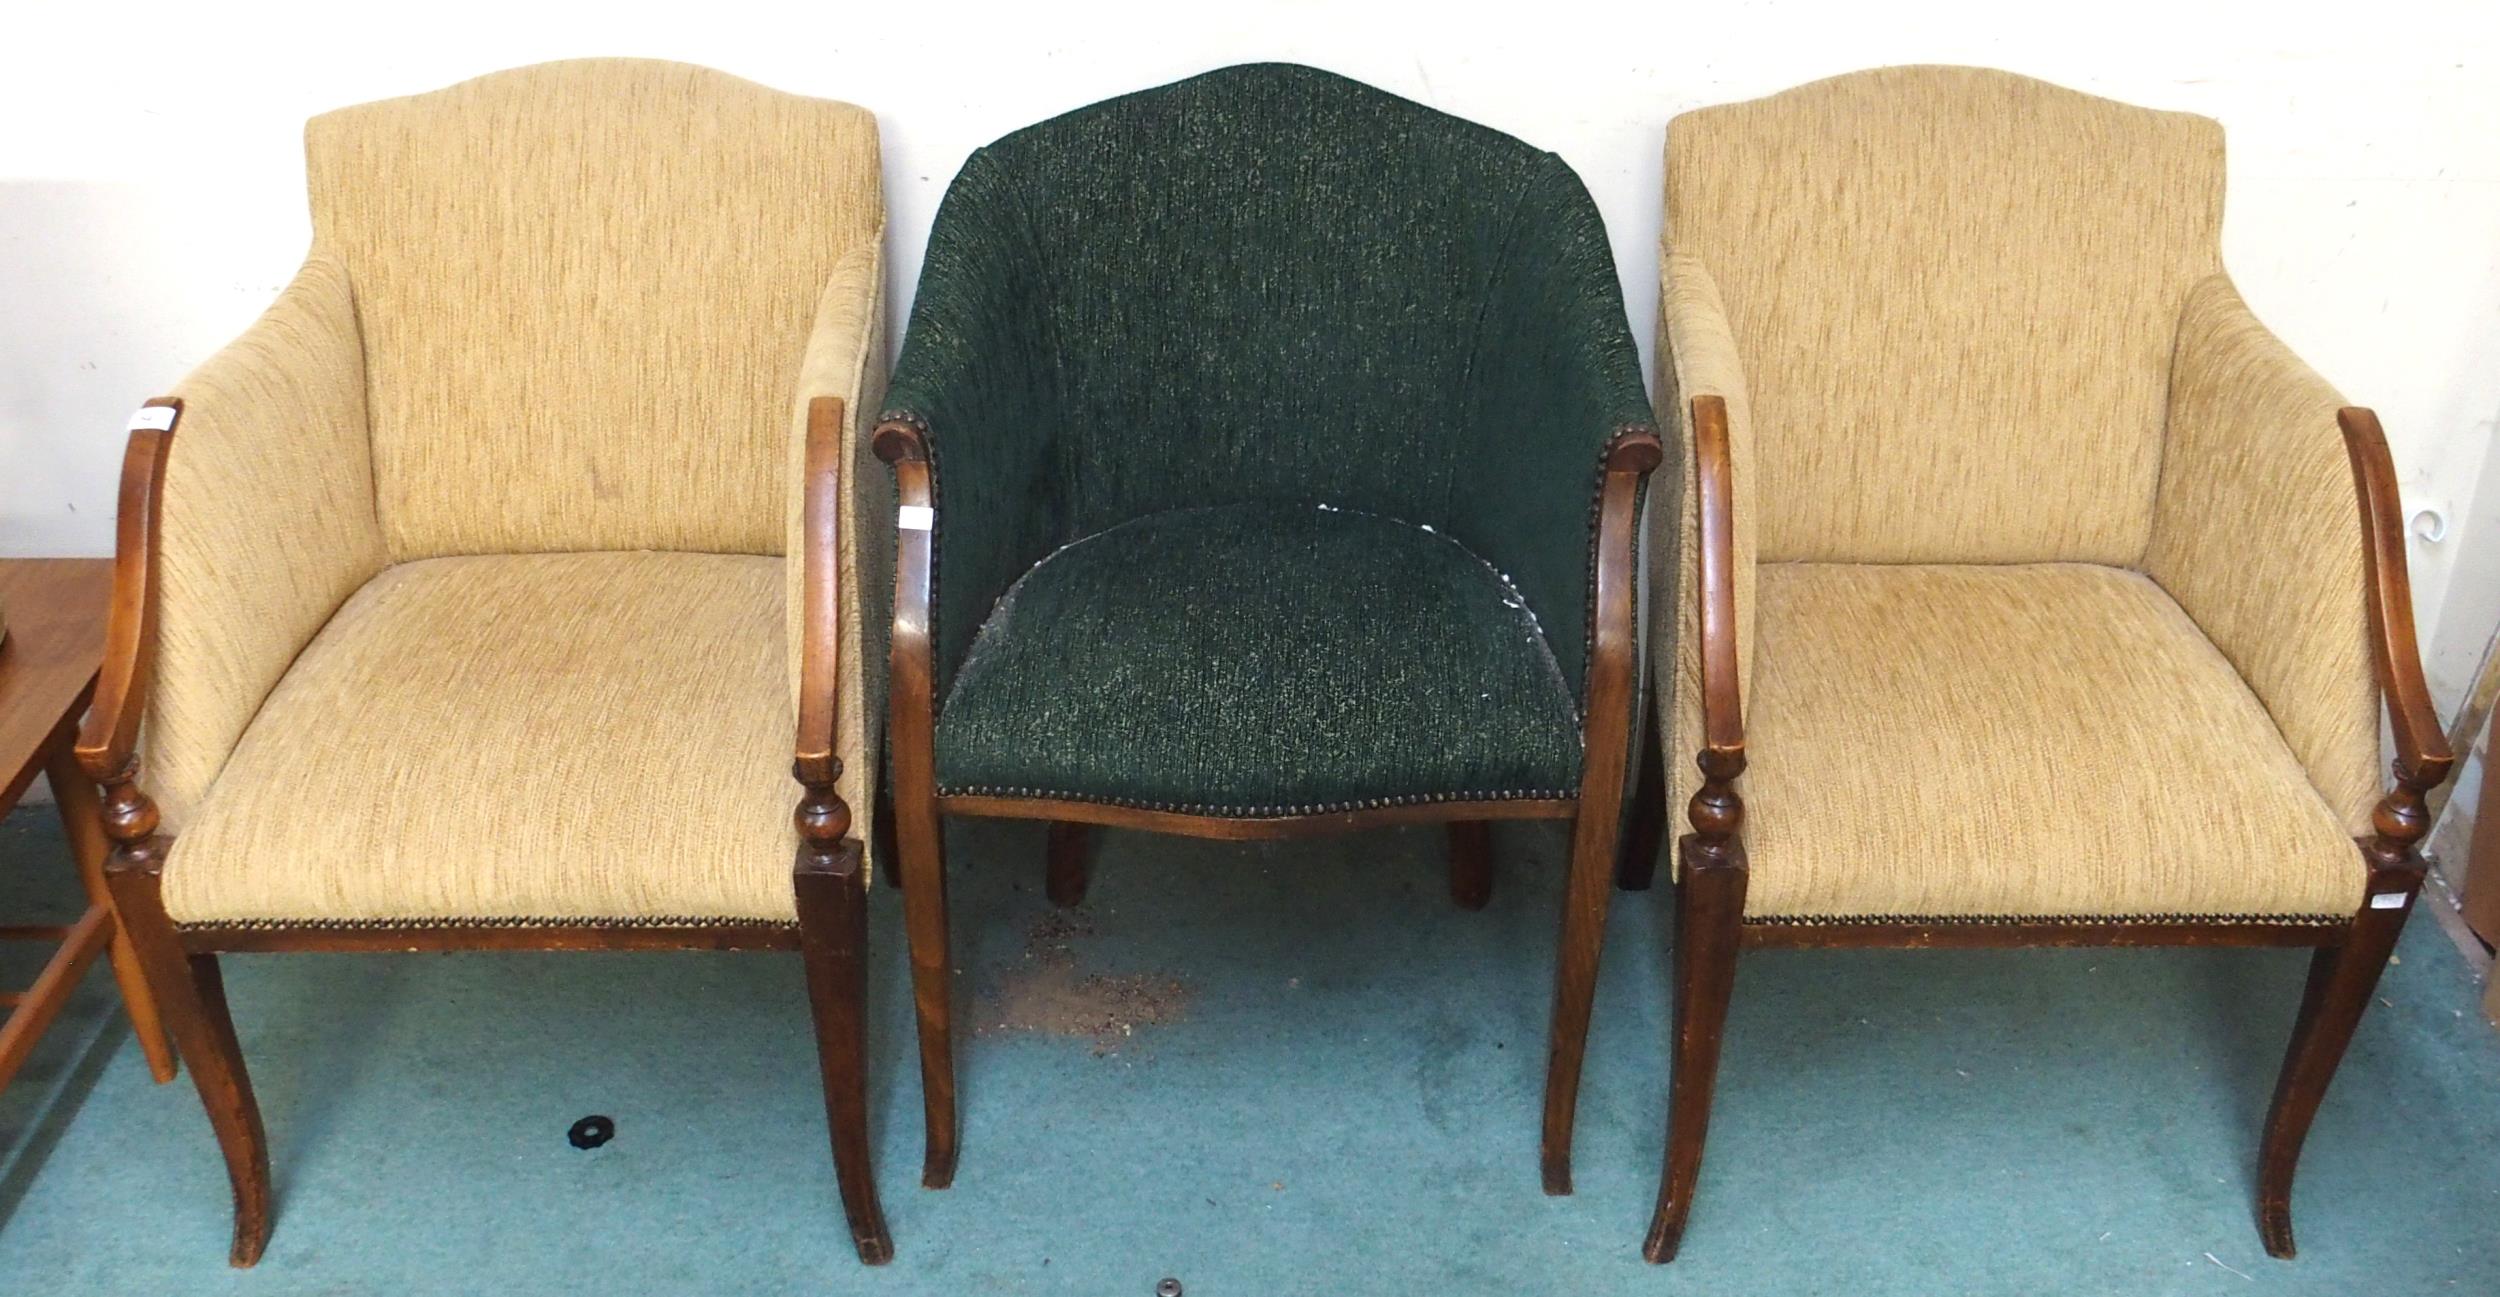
(1274, 1069)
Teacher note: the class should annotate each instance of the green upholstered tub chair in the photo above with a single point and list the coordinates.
(1269, 450)
(2033, 590)
(486, 593)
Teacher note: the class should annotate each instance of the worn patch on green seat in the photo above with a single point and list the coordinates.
(1261, 659)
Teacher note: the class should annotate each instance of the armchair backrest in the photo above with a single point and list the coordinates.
(1950, 285)
(584, 290)
(1265, 282)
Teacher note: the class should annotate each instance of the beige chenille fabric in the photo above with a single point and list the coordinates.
(585, 288)
(268, 526)
(2040, 740)
(2059, 609)
(2257, 534)
(595, 736)
(560, 310)
(1954, 291)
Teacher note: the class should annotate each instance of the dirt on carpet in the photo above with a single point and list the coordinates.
(1046, 992)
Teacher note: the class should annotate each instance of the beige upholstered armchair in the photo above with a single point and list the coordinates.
(2030, 592)
(482, 594)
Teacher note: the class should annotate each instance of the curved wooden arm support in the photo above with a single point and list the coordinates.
(822, 817)
(1717, 812)
(1614, 638)
(108, 743)
(912, 659)
(2423, 760)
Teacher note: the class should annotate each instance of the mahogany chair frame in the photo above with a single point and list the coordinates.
(1711, 928)
(181, 963)
(1594, 812)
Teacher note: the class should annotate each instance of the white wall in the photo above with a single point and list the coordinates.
(151, 195)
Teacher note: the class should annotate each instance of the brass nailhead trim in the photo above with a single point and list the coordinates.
(2023, 920)
(372, 925)
(1259, 812)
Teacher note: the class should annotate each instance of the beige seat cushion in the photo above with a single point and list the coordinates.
(526, 738)
(2039, 741)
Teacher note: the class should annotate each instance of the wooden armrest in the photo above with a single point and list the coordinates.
(1716, 811)
(1722, 711)
(820, 593)
(822, 817)
(2423, 759)
(1614, 631)
(109, 738)
(2420, 741)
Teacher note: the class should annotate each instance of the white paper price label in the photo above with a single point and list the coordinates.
(152, 418)
(915, 517)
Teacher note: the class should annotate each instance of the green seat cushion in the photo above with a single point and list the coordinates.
(1260, 659)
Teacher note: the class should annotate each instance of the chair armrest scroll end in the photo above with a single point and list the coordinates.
(1635, 449)
(108, 739)
(900, 438)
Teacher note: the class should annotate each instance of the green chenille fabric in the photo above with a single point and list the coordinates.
(1129, 665)
(1265, 285)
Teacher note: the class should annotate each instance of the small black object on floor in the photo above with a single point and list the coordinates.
(591, 1132)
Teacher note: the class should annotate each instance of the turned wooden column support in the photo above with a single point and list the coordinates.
(1717, 813)
(2402, 817)
(823, 819)
(131, 820)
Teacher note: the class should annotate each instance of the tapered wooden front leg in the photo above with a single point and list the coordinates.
(190, 994)
(832, 896)
(1471, 864)
(2342, 978)
(1585, 897)
(923, 845)
(1064, 872)
(1709, 920)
